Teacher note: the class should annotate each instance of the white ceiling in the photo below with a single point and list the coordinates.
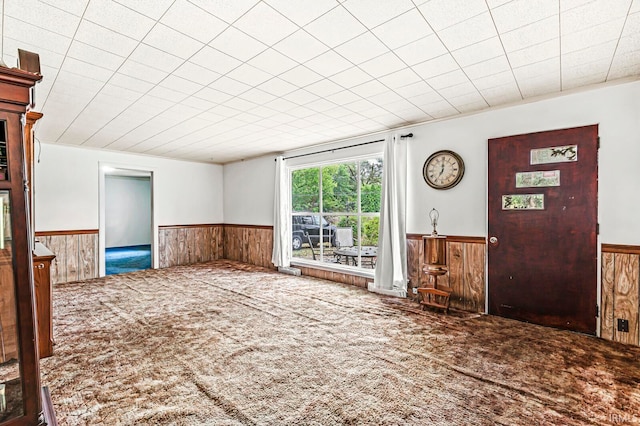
(222, 80)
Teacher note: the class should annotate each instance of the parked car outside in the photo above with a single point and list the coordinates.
(310, 224)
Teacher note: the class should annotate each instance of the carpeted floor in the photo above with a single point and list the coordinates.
(224, 343)
(119, 260)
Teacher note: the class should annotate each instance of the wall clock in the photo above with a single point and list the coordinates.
(443, 169)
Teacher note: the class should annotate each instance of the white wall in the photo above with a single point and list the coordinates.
(127, 211)
(616, 108)
(67, 188)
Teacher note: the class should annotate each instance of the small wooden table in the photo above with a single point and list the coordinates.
(350, 254)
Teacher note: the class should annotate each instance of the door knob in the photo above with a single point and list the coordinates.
(493, 241)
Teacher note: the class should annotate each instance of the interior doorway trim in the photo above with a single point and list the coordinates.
(105, 169)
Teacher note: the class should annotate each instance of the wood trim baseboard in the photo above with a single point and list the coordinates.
(452, 238)
(66, 232)
(231, 225)
(202, 225)
(620, 248)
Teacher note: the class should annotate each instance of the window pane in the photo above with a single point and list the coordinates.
(305, 190)
(339, 188)
(371, 185)
(369, 239)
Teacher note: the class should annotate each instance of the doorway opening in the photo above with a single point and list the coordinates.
(127, 221)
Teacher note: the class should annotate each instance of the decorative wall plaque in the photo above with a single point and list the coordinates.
(523, 202)
(538, 179)
(554, 154)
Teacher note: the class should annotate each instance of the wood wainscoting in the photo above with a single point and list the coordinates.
(465, 274)
(620, 292)
(76, 254)
(186, 244)
(249, 244)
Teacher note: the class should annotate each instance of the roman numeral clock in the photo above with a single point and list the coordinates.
(443, 169)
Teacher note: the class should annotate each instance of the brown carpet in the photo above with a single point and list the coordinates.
(224, 343)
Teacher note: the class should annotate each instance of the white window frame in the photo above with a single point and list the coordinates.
(319, 264)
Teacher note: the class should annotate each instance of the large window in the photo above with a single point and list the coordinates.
(336, 212)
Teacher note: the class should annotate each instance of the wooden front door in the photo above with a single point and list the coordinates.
(542, 245)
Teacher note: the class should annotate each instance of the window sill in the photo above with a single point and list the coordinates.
(368, 273)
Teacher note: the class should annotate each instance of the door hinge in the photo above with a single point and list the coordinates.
(597, 311)
(598, 142)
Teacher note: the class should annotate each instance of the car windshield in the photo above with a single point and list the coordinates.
(324, 221)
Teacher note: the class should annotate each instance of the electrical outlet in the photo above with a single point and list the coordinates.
(623, 325)
(415, 290)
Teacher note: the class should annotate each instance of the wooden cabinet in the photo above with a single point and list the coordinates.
(42, 258)
(21, 397)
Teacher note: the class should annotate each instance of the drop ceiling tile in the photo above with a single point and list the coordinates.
(464, 91)
(479, 52)
(181, 85)
(446, 13)
(302, 11)
(171, 41)
(155, 58)
(142, 72)
(370, 88)
(403, 30)
(75, 7)
(328, 64)
(265, 24)
(469, 32)
(530, 35)
(300, 76)
(592, 14)
(263, 112)
(189, 19)
(249, 75)
(277, 87)
(362, 48)
(434, 67)
(416, 89)
(385, 98)
(486, 68)
(87, 69)
(324, 88)
(215, 60)
(449, 79)
(300, 46)
(196, 73)
(519, 13)
(118, 18)
(374, 13)
(43, 15)
(335, 27)
(322, 105)
(542, 68)
(440, 109)
(624, 65)
(235, 43)
(495, 3)
(240, 104)
(628, 44)
(131, 83)
(536, 53)
(198, 103)
(272, 62)
(212, 95)
(167, 94)
(494, 80)
(343, 97)
(150, 105)
(632, 25)
(603, 51)
(301, 97)
(114, 91)
(35, 36)
(593, 35)
(400, 78)
(229, 86)
(99, 57)
(351, 77)
(281, 105)
(635, 7)
(421, 50)
(257, 96)
(382, 65)
(501, 95)
(228, 11)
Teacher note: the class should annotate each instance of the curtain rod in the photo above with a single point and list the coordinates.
(408, 135)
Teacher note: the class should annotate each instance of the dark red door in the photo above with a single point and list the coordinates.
(542, 253)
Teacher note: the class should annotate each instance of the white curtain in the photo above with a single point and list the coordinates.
(281, 216)
(391, 266)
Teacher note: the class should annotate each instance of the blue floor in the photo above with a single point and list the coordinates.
(119, 260)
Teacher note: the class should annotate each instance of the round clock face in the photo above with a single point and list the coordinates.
(443, 170)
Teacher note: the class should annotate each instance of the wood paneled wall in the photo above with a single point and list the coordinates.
(76, 254)
(620, 292)
(186, 244)
(249, 244)
(465, 275)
